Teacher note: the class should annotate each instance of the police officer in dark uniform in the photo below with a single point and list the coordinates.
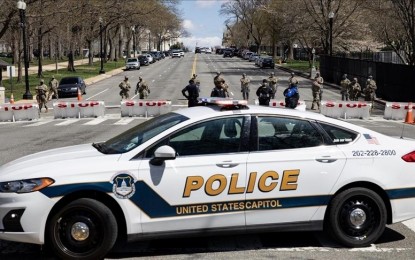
(192, 93)
(264, 93)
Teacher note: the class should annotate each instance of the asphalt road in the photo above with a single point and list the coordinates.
(166, 79)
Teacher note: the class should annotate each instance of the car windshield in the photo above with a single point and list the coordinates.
(139, 134)
(132, 60)
(69, 81)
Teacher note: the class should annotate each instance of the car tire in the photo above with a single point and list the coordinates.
(356, 217)
(82, 214)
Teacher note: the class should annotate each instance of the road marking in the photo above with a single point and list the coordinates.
(99, 93)
(410, 224)
(124, 121)
(68, 122)
(96, 121)
(38, 123)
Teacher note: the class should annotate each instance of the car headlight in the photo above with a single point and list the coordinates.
(25, 186)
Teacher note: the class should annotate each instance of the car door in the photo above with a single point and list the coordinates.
(203, 187)
(292, 171)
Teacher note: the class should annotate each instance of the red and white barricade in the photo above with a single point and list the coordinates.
(78, 109)
(397, 111)
(144, 108)
(346, 109)
(19, 112)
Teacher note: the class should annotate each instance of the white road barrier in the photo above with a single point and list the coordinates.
(281, 103)
(78, 109)
(19, 112)
(346, 109)
(397, 111)
(145, 108)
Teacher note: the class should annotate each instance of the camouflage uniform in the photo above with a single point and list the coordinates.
(370, 90)
(355, 90)
(53, 88)
(125, 88)
(292, 79)
(218, 80)
(41, 94)
(272, 80)
(320, 81)
(316, 90)
(345, 88)
(142, 89)
(245, 86)
(225, 88)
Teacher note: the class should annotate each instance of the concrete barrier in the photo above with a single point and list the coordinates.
(396, 111)
(144, 108)
(281, 103)
(19, 112)
(346, 109)
(78, 109)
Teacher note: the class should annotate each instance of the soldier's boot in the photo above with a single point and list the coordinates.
(46, 109)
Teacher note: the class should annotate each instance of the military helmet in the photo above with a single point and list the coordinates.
(264, 80)
(218, 73)
(140, 78)
(191, 81)
(53, 76)
(272, 74)
(243, 74)
(292, 74)
(370, 77)
(42, 81)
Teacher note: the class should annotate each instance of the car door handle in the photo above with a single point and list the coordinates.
(326, 160)
(227, 165)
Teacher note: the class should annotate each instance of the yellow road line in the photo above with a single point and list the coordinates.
(194, 66)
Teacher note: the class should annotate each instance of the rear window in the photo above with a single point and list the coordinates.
(132, 60)
(69, 81)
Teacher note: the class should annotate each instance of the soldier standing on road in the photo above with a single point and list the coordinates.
(316, 89)
(125, 88)
(192, 93)
(345, 87)
(218, 80)
(370, 90)
(273, 84)
(264, 93)
(292, 79)
(225, 88)
(245, 86)
(196, 81)
(320, 81)
(53, 88)
(41, 94)
(355, 90)
(142, 88)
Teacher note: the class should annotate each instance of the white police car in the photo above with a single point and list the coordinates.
(222, 167)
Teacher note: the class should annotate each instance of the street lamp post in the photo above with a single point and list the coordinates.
(313, 67)
(22, 11)
(102, 71)
(133, 29)
(331, 16)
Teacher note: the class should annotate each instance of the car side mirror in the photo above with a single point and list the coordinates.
(162, 154)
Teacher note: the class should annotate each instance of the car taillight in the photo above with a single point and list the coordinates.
(410, 157)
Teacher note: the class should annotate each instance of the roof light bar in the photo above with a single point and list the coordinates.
(223, 101)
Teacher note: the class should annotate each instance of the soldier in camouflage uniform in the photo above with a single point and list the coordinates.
(142, 88)
(272, 81)
(245, 86)
(218, 80)
(125, 88)
(41, 94)
(355, 90)
(316, 91)
(53, 88)
(320, 81)
(345, 88)
(292, 79)
(370, 90)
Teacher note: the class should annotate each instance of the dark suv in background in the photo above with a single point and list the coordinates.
(228, 53)
(267, 62)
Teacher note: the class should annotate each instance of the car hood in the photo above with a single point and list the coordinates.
(53, 160)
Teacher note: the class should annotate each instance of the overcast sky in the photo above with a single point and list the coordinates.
(202, 20)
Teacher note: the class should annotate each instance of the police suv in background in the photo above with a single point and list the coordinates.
(221, 166)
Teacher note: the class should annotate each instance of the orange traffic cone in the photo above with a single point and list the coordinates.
(409, 119)
(79, 94)
(11, 98)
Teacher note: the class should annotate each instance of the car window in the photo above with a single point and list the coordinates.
(275, 133)
(69, 81)
(210, 137)
(339, 135)
(132, 60)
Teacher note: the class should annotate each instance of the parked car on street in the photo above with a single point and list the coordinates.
(132, 63)
(228, 53)
(143, 60)
(68, 86)
(176, 53)
(267, 62)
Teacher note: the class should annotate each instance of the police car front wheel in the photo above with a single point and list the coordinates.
(84, 229)
(356, 217)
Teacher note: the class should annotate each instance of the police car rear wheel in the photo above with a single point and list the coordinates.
(357, 217)
(84, 229)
